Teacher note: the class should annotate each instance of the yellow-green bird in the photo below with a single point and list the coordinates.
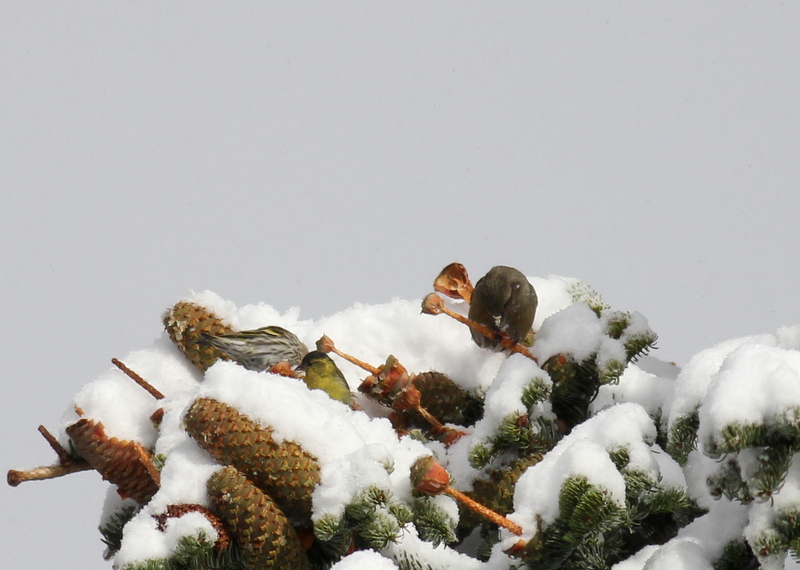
(323, 374)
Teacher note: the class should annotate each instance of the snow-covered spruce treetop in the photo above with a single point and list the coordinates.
(561, 445)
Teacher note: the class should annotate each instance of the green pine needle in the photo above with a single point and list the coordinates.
(611, 372)
(582, 293)
(682, 437)
(727, 482)
(195, 553)
(401, 513)
(737, 436)
(737, 555)
(433, 524)
(621, 456)
(640, 345)
(327, 527)
(480, 455)
(111, 531)
(159, 460)
(616, 323)
(379, 530)
(771, 469)
(536, 391)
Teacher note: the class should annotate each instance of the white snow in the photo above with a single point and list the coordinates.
(575, 330)
(757, 383)
(410, 547)
(354, 451)
(361, 559)
(694, 379)
(584, 452)
(748, 380)
(650, 391)
(503, 398)
(697, 545)
(123, 407)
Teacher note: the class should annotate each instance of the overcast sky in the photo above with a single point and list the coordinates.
(322, 154)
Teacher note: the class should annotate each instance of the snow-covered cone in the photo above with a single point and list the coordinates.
(125, 463)
(284, 470)
(260, 529)
(185, 323)
(447, 401)
(177, 511)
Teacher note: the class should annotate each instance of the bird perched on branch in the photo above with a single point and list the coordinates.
(505, 301)
(259, 349)
(323, 374)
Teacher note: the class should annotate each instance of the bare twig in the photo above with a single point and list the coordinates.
(15, 477)
(64, 458)
(484, 511)
(433, 304)
(138, 379)
(325, 344)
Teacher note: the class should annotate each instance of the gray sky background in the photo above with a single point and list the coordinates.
(322, 154)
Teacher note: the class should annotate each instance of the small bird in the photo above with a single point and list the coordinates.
(323, 374)
(505, 301)
(259, 349)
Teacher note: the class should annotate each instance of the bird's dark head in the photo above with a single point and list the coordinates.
(315, 357)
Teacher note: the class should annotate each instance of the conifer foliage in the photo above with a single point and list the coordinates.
(546, 451)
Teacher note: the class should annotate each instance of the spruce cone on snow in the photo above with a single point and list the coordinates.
(446, 400)
(260, 529)
(125, 463)
(283, 470)
(185, 323)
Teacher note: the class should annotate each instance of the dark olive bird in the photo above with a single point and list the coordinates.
(259, 349)
(323, 374)
(505, 301)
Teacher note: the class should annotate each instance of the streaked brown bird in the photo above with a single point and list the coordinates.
(505, 301)
(259, 349)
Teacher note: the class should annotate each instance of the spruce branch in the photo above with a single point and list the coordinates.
(772, 465)
(433, 524)
(111, 530)
(616, 323)
(583, 293)
(682, 437)
(727, 481)
(737, 555)
(535, 392)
